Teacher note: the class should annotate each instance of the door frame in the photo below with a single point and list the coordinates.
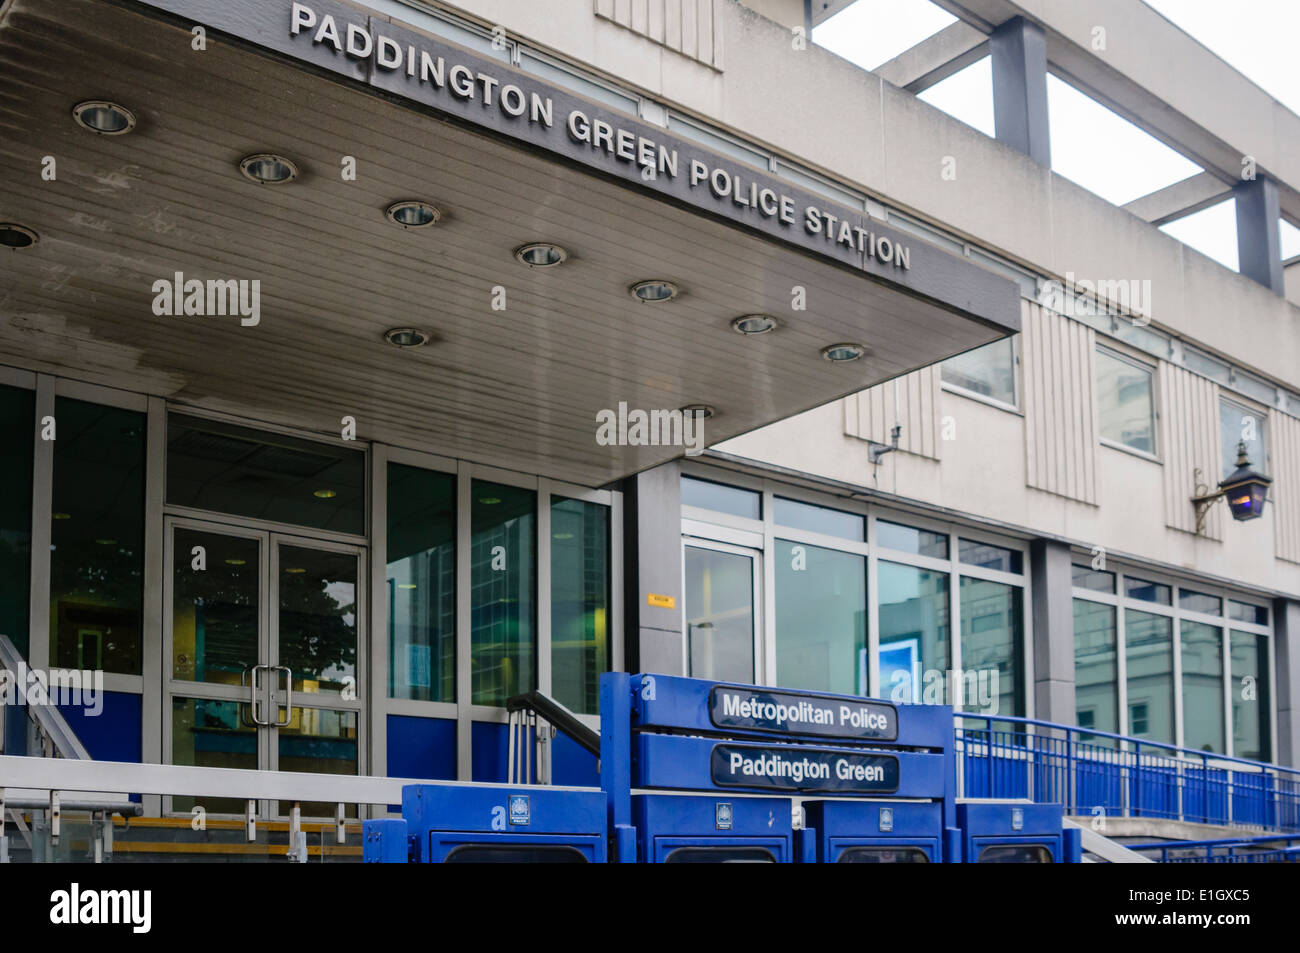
(270, 536)
(758, 638)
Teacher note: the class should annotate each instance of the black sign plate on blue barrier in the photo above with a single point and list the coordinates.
(826, 716)
(791, 768)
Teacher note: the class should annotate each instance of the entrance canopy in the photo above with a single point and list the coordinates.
(521, 361)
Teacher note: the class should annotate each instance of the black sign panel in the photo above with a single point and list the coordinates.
(791, 768)
(788, 713)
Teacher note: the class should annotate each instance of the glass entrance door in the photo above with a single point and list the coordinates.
(263, 661)
(722, 620)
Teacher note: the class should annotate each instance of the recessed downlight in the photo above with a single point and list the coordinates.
(541, 255)
(654, 290)
(406, 337)
(13, 235)
(842, 353)
(267, 169)
(104, 118)
(413, 214)
(324, 494)
(295, 570)
(754, 324)
(236, 561)
(699, 410)
(489, 500)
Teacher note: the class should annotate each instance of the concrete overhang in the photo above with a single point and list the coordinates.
(522, 359)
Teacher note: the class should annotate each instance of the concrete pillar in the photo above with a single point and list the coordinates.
(1286, 654)
(1019, 52)
(1050, 582)
(1259, 243)
(652, 566)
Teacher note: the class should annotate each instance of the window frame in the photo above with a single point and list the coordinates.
(1017, 388)
(1152, 373)
(1224, 622)
(1244, 406)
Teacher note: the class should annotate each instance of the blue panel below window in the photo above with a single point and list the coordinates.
(114, 732)
(421, 748)
(572, 764)
(490, 748)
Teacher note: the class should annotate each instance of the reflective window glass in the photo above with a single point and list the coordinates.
(1148, 591)
(1149, 659)
(909, 539)
(724, 499)
(1250, 696)
(1125, 406)
(819, 519)
(1245, 612)
(1096, 672)
(318, 618)
(914, 632)
(213, 465)
(1201, 646)
(719, 615)
(1200, 602)
(990, 556)
(17, 418)
(1097, 580)
(821, 619)
(421, 578)
(992, 648)
(1238, 425)
(989, 371)
(503, 586)
(579, 602)
(97, 538)
(216, 606)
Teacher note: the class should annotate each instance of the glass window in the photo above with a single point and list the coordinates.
(724, 499)
(17, 418)
(1015, 854)
(1202, 660)
(821, 619)
(1096, 672)
(1206, 366)
(318, 618)
(579, 602)
(1125, 403)
(914, 631)
(503, 583)
(1250, 696)
(216, 611)
(1148, 591)
(321, 741)
(207, 733)
(421, 577)
(1200, 602)
(989, 371)
(883, 855)
(1097, 580)
(1239, 425)
(1245, 612)
(217, 466)
(819, 519)
(719, 615)
(1149, 658)
(992, 648)
(990, 556)
(97, 538)
(908, 539)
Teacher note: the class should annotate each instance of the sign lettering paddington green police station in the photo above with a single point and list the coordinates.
(800, 714)
(655, 158)
(790, 768)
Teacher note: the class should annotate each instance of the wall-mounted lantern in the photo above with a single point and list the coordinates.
(1245, 490)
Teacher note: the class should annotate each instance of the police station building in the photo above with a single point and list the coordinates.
(365, 364)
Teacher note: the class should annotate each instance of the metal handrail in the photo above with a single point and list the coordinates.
(1043, 759)
(559, 716)
(47, 717)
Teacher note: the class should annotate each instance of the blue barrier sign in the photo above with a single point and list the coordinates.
(826, 716)
(789, 768)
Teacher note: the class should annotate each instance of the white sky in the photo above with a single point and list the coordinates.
(1091, 145)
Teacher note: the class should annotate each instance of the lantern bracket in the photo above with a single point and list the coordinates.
(1203, 499)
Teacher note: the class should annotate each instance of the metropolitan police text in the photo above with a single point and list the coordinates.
(803, 713)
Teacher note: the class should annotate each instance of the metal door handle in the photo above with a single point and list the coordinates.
(252, 704)
(288, 695)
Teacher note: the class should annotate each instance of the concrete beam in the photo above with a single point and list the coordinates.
(1183, 198)
(1019, 52)
(1187, 96)
(1259, 240)
(935, 58)
(823, 10)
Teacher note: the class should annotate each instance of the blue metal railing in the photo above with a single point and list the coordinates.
(1098, 773)
(1270, 849)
